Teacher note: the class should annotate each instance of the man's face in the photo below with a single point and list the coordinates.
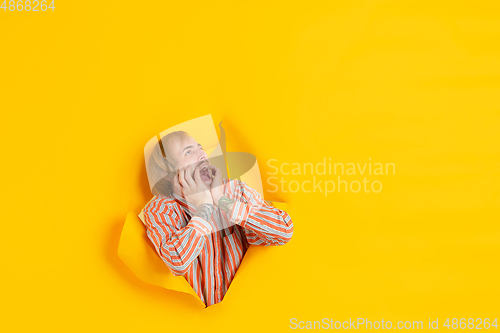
(188, 152)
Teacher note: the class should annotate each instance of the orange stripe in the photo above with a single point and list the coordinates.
(203, 283)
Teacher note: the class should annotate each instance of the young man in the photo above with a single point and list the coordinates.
(200, 224)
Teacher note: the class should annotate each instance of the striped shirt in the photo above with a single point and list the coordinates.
(209, 258)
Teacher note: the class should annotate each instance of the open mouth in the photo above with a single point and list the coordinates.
(205, 172)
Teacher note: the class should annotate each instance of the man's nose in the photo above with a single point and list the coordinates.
(202, 155)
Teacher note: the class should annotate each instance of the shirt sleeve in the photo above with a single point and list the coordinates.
(178, 248)
(263, 224)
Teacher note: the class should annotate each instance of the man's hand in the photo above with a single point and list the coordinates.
(216, 186)
(220, 200)
(194, 190)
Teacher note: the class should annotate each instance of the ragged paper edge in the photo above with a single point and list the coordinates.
(135, 248)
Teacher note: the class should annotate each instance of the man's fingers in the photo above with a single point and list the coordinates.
(197, 177)
(215, 171)
(188, 173)
(177, 183)
(184, 174)
(182, 181)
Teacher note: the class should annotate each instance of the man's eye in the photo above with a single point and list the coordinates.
(188, 152)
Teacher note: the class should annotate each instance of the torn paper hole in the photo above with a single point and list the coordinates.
(197, 249)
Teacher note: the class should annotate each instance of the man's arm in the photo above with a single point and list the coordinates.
(263, 223)
(177, 248)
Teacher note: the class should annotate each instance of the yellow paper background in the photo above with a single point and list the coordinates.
(415, 83)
